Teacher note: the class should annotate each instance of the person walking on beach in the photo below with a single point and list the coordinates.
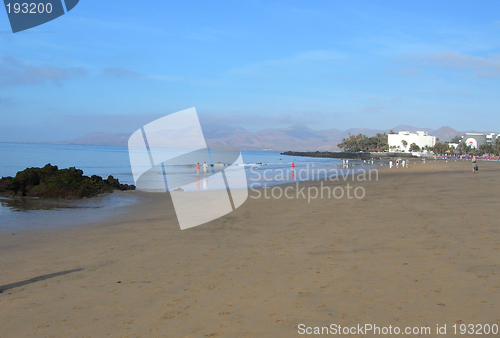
(474, 164)
(403, 164)
(390, 164)
(197, 168)
(205, 168)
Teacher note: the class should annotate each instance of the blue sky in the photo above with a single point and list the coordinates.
(114, 65)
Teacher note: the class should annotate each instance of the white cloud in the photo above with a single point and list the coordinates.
(289, 67)
(252, 121)
(482, 66)
(14, 72)
(396, 99)
(120, 73)
(410, 72)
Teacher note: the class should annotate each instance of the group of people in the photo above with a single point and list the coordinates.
(404, 163)
(205, 168)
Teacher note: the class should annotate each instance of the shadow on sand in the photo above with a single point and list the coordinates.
(36, 279)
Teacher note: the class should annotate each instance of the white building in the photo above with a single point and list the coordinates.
(492, 138)
(420, 138)
(475, 140)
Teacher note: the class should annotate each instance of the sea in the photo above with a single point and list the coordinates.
(261, 168)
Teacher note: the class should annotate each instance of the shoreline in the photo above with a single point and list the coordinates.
(24, 214)
(35, 204)
(380, 156)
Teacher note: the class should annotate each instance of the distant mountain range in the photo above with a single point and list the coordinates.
(297, 137)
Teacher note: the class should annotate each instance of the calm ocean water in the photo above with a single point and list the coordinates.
(262, 168)
(104, 161)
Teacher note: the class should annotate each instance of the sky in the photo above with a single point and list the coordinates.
(113, 66)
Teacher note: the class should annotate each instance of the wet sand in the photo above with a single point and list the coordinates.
(420, 249)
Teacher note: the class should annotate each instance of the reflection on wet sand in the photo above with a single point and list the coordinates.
(27, 204)
(24, 213)
(204, 183)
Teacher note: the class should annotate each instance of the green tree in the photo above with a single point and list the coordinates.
(496, 146)
(362, 142)
(441, 148)
(414, 147)
(404, 143)
(351, 143)
(456, 139)
(486, 149)
(383, 141)
(464, 148)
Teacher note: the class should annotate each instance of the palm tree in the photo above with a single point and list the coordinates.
(404, 144)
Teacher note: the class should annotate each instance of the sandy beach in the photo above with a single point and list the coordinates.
(420, 249)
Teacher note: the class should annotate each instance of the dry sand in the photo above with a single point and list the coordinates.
(422, 248)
